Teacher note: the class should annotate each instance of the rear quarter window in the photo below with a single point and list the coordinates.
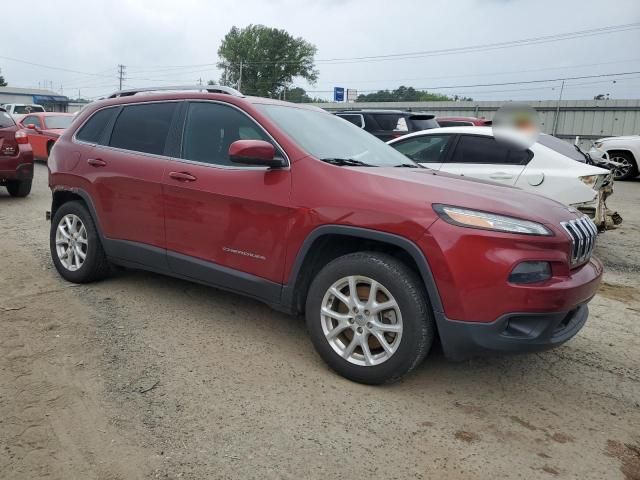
(93, 128)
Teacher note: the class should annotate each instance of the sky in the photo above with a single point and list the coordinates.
(165, 42)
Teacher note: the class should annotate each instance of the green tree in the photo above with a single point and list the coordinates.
(2, 81)
(269, 59)
(406, 94)
(299, 95)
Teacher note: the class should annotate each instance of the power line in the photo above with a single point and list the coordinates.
(442, 87)
(425, 53)
(51, 67)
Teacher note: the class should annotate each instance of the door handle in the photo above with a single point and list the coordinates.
(96, 162)
(182, 176)
(500, 176)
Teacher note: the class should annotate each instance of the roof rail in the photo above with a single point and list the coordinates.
(201, 88)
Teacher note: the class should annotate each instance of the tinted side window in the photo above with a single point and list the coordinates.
(92, 130)
(143, 128)
(211, 128)
(479, 149)
(32, 119)
(355, 119)
(388, 121)
(424, 149)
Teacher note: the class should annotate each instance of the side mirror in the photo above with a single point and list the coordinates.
(255, 152)
(31, 126)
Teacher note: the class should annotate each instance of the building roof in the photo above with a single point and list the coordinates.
(27, 91)
(38, 94)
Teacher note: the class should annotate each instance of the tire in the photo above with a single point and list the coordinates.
(19, 188)
(624, 158)
(412, 317)
(71, 266)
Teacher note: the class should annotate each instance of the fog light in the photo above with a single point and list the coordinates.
(530, 272)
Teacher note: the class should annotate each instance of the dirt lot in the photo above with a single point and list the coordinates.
(143, 376)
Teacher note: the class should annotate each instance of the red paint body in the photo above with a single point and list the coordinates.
(43, 137)
(203, 212)
(16, 159)
(458, 121)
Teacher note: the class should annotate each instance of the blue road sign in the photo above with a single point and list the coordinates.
(338, 94)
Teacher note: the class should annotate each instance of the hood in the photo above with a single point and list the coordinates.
(440, 187)
(627, 137)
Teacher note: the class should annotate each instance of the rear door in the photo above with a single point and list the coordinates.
(482, 156)
(225, 220)
(427, 150)
(125, 166)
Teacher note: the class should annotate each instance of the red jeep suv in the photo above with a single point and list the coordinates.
(16, 157)
(297, 208)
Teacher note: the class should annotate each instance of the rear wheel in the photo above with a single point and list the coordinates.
(19, 188)
(369, 318)
(626, 166)
(75, 245)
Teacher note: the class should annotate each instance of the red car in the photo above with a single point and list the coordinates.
(16, 157)
(463, 122)
(44, 129)
(297, 208)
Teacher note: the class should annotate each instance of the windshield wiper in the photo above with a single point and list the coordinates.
(346, 162)
(409, 165)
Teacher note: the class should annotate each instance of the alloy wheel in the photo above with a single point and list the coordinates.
(623, 166)
(361, 320)
(71, 242)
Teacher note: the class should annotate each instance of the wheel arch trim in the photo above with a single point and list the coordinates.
(288, 291)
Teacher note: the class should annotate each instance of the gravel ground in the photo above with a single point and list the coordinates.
(143, 376)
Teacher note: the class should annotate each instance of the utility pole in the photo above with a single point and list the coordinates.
(121, 70)
(556, 118)
(240, 78)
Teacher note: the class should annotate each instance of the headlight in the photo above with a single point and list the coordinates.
(593, 181)
(489, 221)
(589, 180)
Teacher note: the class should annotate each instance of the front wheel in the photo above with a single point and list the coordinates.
(19, 188)
(369, 318)
(625, 165)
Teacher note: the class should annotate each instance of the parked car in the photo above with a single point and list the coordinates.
(16, 157)
(16, 109)
(44, 129)
(624, 153)
(292, 206)
(388, 124)
(463, 122)
(474, 152)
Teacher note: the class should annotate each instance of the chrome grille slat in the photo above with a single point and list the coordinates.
(582, 232)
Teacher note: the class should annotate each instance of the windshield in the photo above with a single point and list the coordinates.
(326, 136)
(560, 146)
(22, 109)
(62, 121)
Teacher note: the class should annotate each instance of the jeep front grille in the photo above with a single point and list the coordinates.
(583, 233)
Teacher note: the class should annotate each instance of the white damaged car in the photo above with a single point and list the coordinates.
(623, 152)
(550, 167)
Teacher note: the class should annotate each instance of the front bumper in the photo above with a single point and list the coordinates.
(512, 333)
